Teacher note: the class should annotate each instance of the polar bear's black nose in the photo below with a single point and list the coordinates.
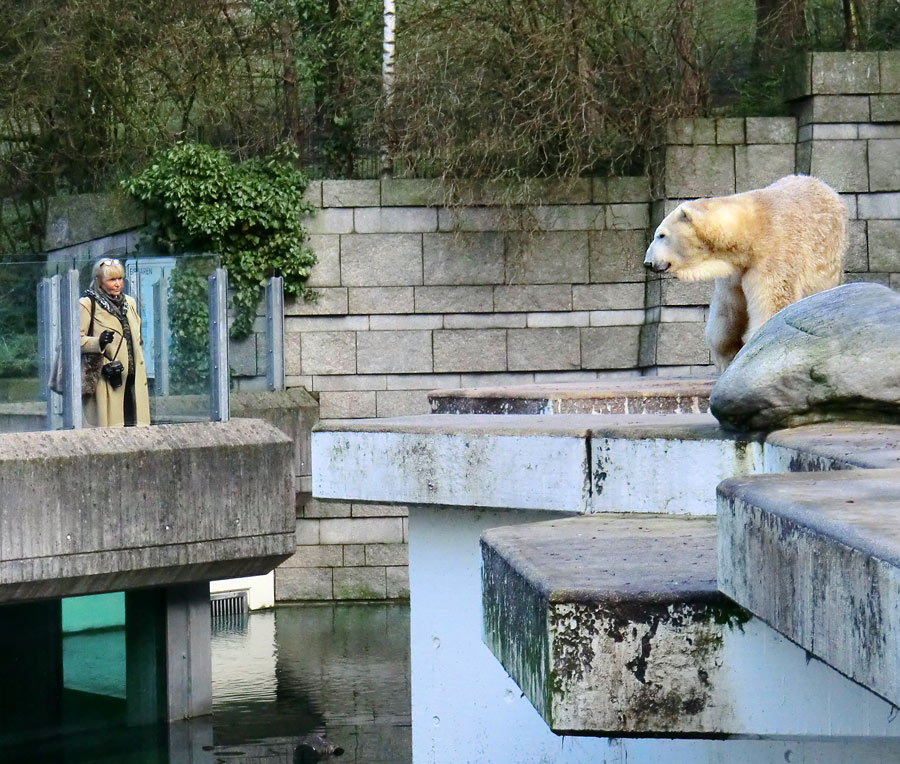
(661, 267)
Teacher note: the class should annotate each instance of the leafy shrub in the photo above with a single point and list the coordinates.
(18, 355)
(248, 213)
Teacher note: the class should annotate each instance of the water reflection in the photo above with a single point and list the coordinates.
(303, 678)
(290, 686)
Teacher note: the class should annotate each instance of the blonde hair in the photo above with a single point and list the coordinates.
(107, 268)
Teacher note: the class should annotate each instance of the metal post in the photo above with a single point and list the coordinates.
(218, 346)
(70, 334)
(161, 336)
(48, 346)
(275, 333)
(45, 324)
(132, 285)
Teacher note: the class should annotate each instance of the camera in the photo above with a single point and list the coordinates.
(112, 372)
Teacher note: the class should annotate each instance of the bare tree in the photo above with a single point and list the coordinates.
(686, 50)
(779, 25)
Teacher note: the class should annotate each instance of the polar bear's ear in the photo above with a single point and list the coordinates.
(693, 212)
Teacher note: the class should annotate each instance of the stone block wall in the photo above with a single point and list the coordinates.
(848, 108)
(416, 295)
(346, 552)
(703, 157)
(846, 131)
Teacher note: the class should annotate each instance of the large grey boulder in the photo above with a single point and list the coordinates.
(834, 355)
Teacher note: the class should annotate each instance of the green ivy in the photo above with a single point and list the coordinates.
(189, 321)
(248, 213)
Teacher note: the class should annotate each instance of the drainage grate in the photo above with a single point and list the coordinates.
(225, 604)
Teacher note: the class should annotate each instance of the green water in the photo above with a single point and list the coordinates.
(286, 683)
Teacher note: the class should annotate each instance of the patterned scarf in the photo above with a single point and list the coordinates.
(116, 306)
(113, 305)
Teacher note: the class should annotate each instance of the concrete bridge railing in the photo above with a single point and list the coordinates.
(155, 512)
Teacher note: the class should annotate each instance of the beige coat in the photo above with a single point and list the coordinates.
(106, 408)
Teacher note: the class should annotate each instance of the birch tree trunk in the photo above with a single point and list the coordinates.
(852, 24)
(387, 75)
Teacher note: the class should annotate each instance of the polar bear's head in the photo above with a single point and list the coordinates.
(696, 241)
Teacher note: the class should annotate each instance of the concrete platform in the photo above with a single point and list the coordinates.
(834, 446)
(818, 558)
(632, 396)
(613, 625)
(565, 462)
(593, 650)
(110, 509)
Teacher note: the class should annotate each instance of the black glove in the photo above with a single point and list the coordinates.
(106, 336)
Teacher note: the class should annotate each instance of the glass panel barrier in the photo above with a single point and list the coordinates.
(23, 405)
(257, 359)
(247, 355)
(172, 297)
(172, 294)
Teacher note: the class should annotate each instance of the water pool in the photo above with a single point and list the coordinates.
(289, 681)
(286, 683)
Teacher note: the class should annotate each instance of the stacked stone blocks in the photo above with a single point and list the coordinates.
(848, 108)
(415, 295)
(346, 552)
(704, 157)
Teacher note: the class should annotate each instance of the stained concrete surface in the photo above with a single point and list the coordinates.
(613, 625)
(564, 462)
(818, 558)
(88, 511)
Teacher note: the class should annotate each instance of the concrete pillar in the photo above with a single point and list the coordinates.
(188, 653)
(145, 656)
(168, 663)
(31, 672)
(191, 742)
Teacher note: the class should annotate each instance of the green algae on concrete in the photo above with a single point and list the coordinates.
(611, 624)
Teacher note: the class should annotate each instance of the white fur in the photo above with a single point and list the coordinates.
(765, 248)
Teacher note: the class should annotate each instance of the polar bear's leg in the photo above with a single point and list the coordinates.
(727, 321)
(765, 294)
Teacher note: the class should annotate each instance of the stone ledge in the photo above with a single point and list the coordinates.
(568, 605)
(614, 626)
(639, 396)
(84, 510)
(818, 558)
(561, 462)
(626, 426)
(833, 446)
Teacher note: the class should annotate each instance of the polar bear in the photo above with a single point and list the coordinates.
(765, 248)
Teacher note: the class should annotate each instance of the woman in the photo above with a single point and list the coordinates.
(116, 333)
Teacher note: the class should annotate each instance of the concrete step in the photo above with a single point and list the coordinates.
(565, 462)
(834, 446)
(818, 558)
(632, 396)
(613, 626)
